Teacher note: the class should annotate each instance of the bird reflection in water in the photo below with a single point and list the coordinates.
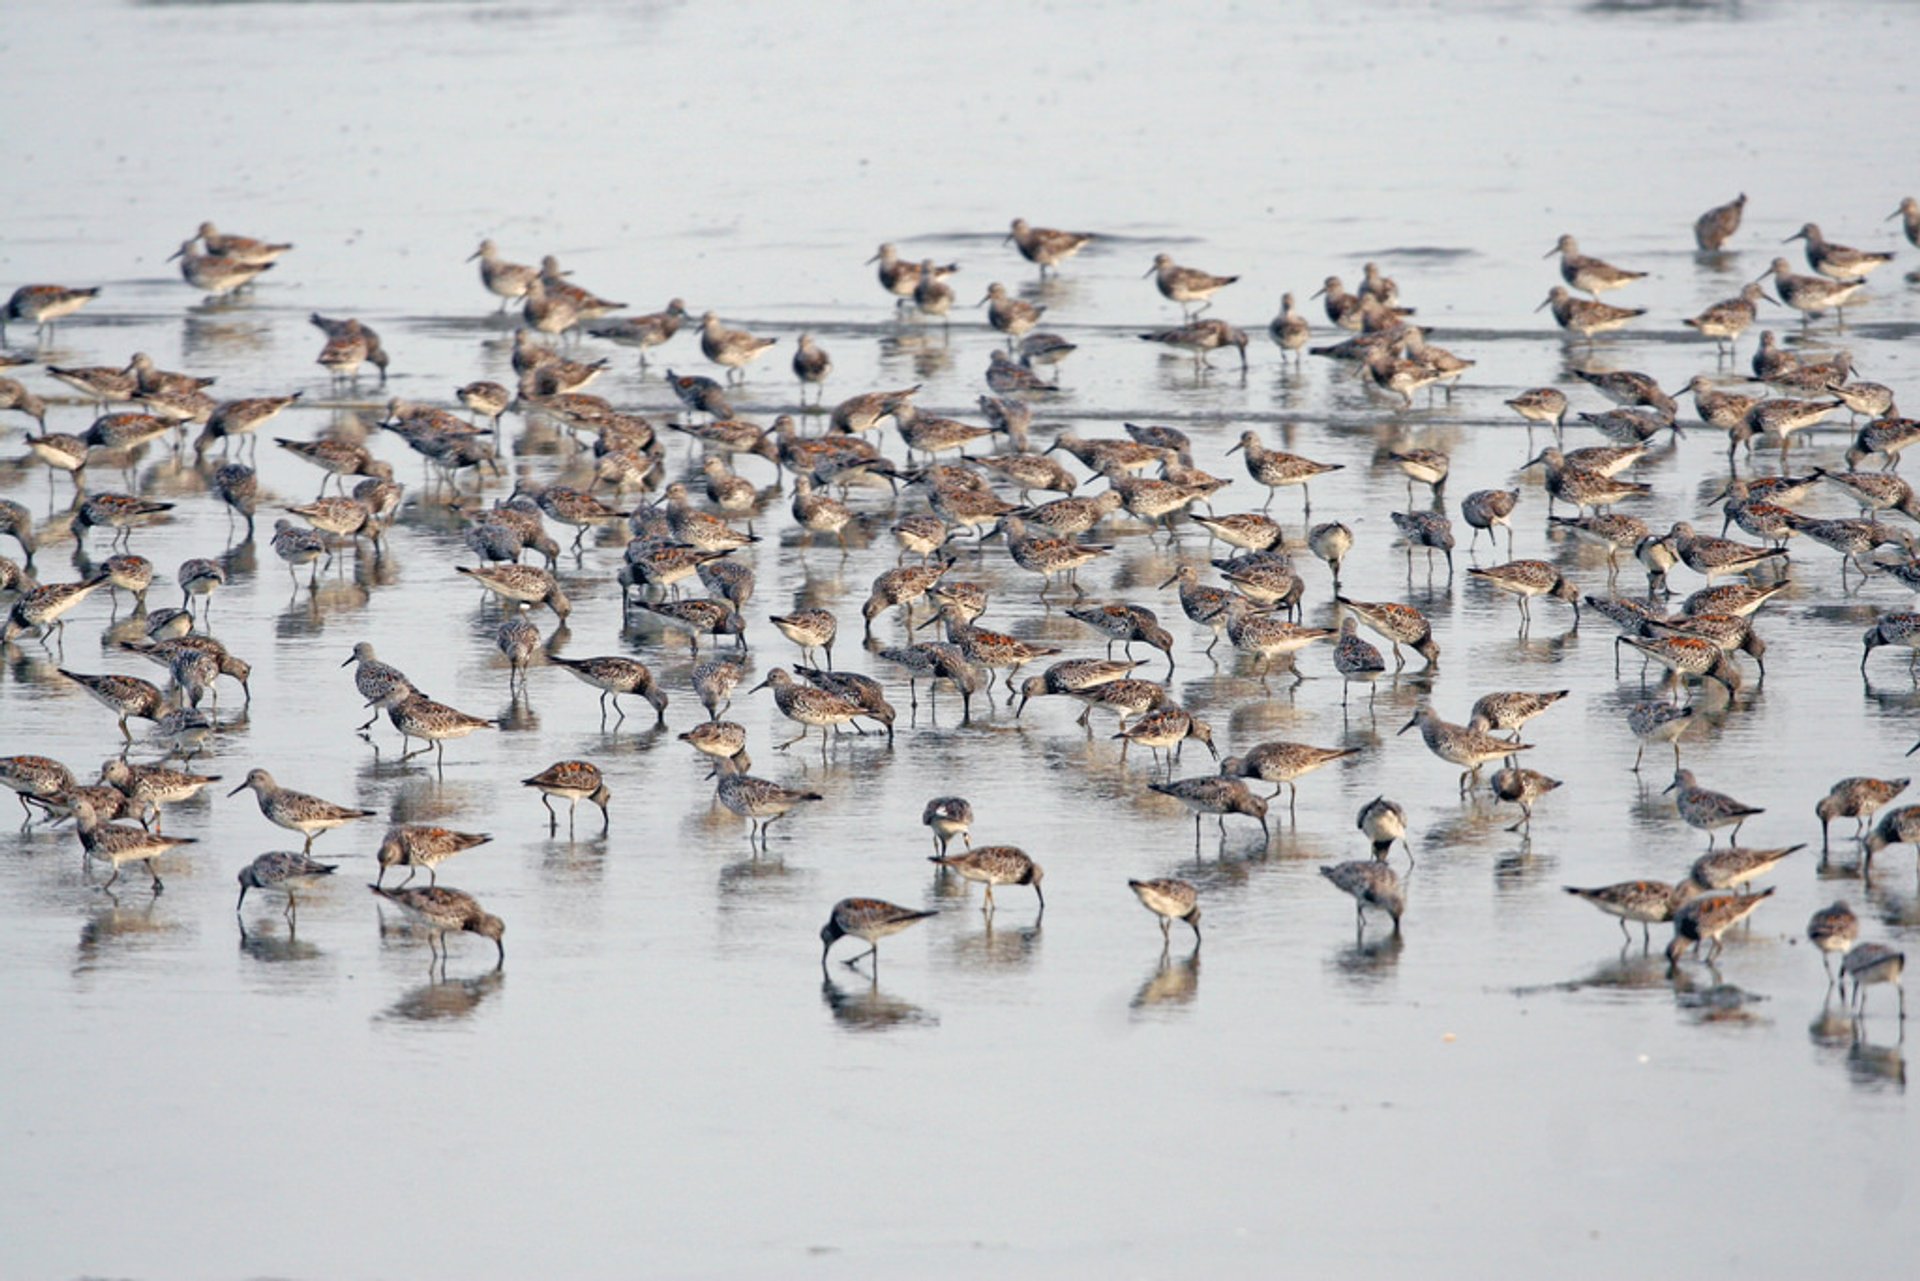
(863, 1007)
(1633, 970)
(444, 1000)
(1003, 948)
(1877, 1066)
(1173, 982)
(1370, 960)
(1718, 1002)
(120, 928)
(268, 944)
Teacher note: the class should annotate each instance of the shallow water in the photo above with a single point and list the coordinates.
(660, 1079)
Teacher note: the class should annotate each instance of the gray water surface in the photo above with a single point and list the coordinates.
(660, 1080)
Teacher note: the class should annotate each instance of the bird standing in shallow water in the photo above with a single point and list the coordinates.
(869, 920)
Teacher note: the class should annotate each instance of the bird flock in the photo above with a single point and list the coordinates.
(986, 502)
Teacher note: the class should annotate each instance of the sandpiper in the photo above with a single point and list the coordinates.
(1186, 285)
(948, 817)
(1526, 579)
(215, 274)
(124, 696)
(296, 811)
(1541, 405)
(1462, 745)
(445, 911)
(150, 787)
(1858, 799)
(996, 865)
(35, 779)
(1331, 541)
(760, 801)
(1372, 884)
(244, 248)
(1834, 930)
(1727, 319)
(1650, 903)
(1275, 468)
(282, 871)
(1046, 247)
(43, 304)
(1812, 295)
(1708, 810)
(1431, 530)
(414, 846)
(117, 844)
(1837, 262)
(1896, 827)
(1171, 900)
(1400, 625)
(1289, 329)
(1874, 963)
(1736, 865)
(1281, 764)
(1589, 275)
(1219, 795)
(1587, 317)
(1384, 822)
(1706, 918)
(1716, 226)
(869, 920)
(573, 781)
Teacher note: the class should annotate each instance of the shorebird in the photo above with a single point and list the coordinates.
(1873, 963)
(1589, 275)
(573, 782)
(1372, 884)
(1587, 317)
(1650, 903)
(1858, 799)
(1171, 900)
(1834, 930)
(42, 305)
(1400, 625)
(1811, 295)
(995, 865)
(614, 675)
(869, 920)
(417, 716)
(117, 844)
(1705, 919)
(508, 280)
(644, 332)
(1727, 319)
(1837, 262)
(1736, 865)
(1046, 247)
(948, 817)
(445, 911)
(1545, 405)
(1186, 285)
(296, 811)
(1289, 329)
(1275, 468)
(1658, 722)
(1716, 226)
(282, 871)
(1707, 810)
(1384, 822)
(1282, 764)
(215, 274)
(1462, 745)
(414, 846)
(1526, 579)
(1218, 795)
(733, 349)
(758, 800)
